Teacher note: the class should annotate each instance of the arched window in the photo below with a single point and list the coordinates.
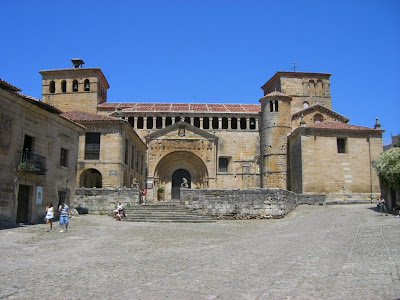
(168, 121)
(52, 87)
(87, 85)
(215, 123)
(187, 120)
(159, 122)
(196, 122)
(140, 123)
(252, 123)
(234, 123)
(318, 118)
(131, 121)
(319, 88)
(271, 106)
(276, 105)
(224, 123)
(75, 85)
(311, 87)
(305, 104)
(63, 86)
(206, 123)
(243, 122)
(177, 119)
(149, 122)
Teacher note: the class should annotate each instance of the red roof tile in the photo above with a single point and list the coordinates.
(85, 116)
(337, 126)
(182, 107)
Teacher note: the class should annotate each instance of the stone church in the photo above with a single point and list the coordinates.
(290, 138)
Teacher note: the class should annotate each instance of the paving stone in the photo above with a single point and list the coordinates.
(315, 252)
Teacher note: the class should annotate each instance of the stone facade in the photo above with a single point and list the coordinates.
(38, 157)
(246, 203)
(225, 146)
(104, 200)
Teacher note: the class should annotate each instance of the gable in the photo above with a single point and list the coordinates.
(181, 130)
(317, 113)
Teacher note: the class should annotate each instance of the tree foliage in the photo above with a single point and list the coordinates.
(388, 167)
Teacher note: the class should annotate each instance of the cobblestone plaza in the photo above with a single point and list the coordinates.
(315, 252)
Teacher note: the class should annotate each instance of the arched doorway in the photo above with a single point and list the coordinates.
(171, 169)
(91, 178)
(177, 179)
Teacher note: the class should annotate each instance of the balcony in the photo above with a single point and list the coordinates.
(31, 163)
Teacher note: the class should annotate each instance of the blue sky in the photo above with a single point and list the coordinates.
(212, 51)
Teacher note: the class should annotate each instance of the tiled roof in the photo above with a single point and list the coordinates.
(276, 94)
(181, 107)
(338, 126)
(319, 107)
(88, 117)
(9, 86)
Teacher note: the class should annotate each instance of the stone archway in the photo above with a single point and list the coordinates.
(91, 178)
(180, 160)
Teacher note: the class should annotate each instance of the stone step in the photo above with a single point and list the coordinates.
(164, 212)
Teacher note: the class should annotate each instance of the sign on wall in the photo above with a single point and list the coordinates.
(39, 194)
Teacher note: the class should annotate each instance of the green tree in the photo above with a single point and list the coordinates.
(388, 167)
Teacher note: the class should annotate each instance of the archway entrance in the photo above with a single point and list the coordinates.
(175, 166)
(91, 178)
(177, 179)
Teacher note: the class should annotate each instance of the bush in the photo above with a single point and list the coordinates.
(388, 168)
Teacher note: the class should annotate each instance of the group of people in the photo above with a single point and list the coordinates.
(65, 214)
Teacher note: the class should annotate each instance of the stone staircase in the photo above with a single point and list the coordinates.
(163, 212)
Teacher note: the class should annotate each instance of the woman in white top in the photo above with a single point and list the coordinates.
(49, 216)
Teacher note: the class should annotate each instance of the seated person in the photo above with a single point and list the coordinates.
(119, 210)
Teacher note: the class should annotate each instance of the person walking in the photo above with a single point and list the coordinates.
(65, 213)
(49, 216)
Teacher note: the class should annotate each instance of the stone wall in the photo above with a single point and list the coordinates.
(246, 203)
(104, 200)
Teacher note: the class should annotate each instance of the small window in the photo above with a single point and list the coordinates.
(64, 157)
(87, 85)
(149, 122)
(63, 86)
(187, 120)
(318, 118)
(196, 122)
(177, 119)
(305, 104)
(224, 123)
(215, 123)
(341, 145)
(234, 123)
(223, 164)
(131, 121)
(75, 85)
(140, 123)
(252, 123)
(276, 105)
(92, 145)
(168, 121)
(52, 87)
(159, 122)
(206, 123)
(243, 123)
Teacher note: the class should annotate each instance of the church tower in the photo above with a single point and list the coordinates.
(274, 129)
(75, 88)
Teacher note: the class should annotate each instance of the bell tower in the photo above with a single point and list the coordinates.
(75, 88)
(274, 129)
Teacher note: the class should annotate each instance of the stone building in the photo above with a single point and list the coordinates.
(291, 139)
(111, 153)
(38, 156)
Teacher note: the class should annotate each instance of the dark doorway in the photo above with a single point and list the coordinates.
(23, 204)
(177, 180)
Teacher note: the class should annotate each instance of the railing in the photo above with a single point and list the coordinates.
(30, 162)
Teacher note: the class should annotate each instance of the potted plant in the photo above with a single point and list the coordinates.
(160, 191)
